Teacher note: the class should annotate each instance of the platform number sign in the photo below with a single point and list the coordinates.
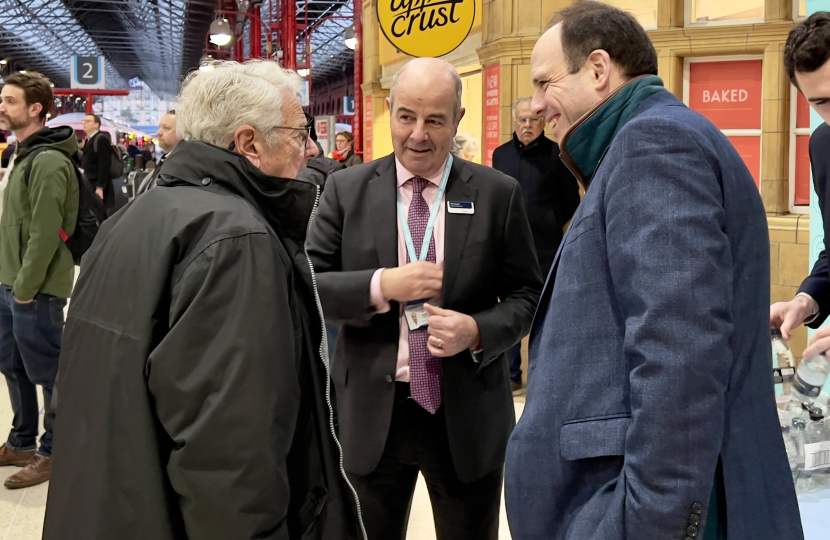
(88, 72)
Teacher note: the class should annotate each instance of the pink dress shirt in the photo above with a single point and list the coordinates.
(382, 304)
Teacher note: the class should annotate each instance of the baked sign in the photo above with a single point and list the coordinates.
(426, 27)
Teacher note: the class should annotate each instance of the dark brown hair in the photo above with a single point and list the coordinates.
(589, 26)
(349, 137)
(36, 89)
(808, 45)
(95, 118)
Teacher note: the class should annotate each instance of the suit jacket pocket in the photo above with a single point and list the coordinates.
(589, 438)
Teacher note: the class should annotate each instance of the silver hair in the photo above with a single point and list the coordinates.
(213, 104)
(519, 102)
(456, 79)
(464, 142)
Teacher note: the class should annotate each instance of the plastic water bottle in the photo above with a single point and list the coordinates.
(815, 474)
(783, 363)
(795, 453)
(810, 378)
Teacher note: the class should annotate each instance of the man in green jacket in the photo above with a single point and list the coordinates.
(36, 267)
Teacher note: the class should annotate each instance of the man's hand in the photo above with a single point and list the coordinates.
(789, 315)
(418, 280)
(820, 343)
(100, 193)
(456, 332)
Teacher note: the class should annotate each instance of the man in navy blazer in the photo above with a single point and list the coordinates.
(806, 58)
(650, 412)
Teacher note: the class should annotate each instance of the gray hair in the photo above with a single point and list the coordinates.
(519, 102)
(213, 104)
(456, 79)
(464, 142)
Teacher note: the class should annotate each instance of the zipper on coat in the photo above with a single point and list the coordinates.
(323, 356)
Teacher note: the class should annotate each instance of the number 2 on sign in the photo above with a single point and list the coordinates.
(88, 74)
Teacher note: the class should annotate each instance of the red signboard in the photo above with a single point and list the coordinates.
(802, 170)
(491, 112)
(367, 128)
(749, 149)
(727, 93)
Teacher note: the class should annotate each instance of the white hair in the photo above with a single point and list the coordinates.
(213, 104)
(456, 78)
(519, 102)
(464, 142)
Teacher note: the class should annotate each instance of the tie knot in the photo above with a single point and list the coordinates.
(418, 184)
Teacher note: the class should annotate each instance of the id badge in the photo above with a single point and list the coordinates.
(416, 316)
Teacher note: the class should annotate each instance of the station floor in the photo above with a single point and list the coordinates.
(22, 511)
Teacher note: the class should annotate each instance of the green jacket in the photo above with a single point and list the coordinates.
(33, 258)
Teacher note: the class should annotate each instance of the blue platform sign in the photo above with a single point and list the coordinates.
(88, 72)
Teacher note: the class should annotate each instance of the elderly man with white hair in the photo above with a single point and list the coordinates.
(194, 388)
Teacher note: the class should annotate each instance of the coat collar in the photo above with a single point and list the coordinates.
(287, 204)
(587, 141)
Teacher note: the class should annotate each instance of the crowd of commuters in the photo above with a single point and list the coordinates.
(201, 392)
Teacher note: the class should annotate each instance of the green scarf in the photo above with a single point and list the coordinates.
(587, 141)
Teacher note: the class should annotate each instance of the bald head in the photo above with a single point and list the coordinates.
(431, 73)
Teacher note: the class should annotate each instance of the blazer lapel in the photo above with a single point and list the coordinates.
(456, 226)
(383, 205)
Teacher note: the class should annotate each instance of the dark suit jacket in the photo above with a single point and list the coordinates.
(550, 191)
(650, 354)
(96, 165)
(488, 256)
(817, 283)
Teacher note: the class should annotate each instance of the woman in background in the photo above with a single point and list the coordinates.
(465, 146)
(345, 153)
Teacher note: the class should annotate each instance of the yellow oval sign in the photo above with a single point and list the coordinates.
(426, 27)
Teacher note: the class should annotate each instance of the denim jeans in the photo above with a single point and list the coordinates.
(514, 358)
(30, 344)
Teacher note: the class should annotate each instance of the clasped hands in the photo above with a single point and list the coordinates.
(453, 331)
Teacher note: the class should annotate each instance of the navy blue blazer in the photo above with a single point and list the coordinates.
(817, 283)
(650, 356)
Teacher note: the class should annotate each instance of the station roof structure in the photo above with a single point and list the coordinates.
(156, 41)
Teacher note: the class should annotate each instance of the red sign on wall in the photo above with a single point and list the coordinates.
(492, 100)
(367, 128)
(727, 93)
(802, 152)
(749, 148)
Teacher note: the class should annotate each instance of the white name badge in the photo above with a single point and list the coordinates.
(416, 316)
(461, 207)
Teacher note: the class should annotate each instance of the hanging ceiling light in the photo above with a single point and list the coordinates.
(349, 38)
(220, 32)
(303, 72)
(206, 63)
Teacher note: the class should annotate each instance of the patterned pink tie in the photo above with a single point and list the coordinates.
(424, 369)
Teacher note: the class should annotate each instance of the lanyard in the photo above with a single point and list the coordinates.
(433, 214)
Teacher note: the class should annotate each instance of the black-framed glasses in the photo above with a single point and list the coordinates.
(305, 136)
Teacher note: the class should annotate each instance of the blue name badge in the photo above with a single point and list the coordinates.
(461, 207)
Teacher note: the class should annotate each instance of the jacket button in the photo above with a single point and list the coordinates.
(389, 378)
(692, 531)
(697, 508)
(694, 519)
(205, 180)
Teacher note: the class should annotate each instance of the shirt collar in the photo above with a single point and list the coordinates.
(404, 175)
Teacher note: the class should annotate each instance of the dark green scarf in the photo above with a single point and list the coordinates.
(586, 142)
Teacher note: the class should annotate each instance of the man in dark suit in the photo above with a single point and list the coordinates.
(807, 61)
(651, 410)
(416, 396)
(551, 194)
(96, 159)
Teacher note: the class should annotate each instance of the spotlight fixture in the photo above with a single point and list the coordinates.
(349, 38)
(220, 32)
(303, 72)
(206, 63)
